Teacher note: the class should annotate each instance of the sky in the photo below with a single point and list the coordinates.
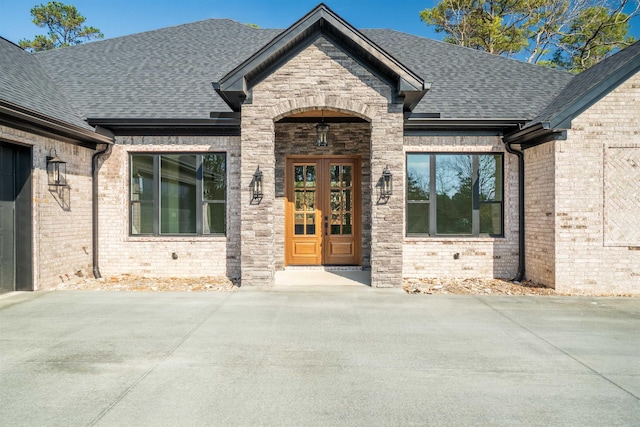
(123, 17)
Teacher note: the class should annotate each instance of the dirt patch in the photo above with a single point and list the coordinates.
(475, 287)
(132, 283)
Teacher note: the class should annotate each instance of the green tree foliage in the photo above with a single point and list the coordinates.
(64, 24)
(569, 34)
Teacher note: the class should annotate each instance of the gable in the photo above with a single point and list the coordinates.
(235, 87)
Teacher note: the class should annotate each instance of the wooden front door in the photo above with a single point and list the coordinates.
(322, 212)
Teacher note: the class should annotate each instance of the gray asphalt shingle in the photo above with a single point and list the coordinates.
(24, 82)
(588, 81)
(167, 73)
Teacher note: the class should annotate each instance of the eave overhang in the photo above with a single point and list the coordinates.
(28, 120)
(534, 135)
(235, 87)
(219, 124)
(422, 124)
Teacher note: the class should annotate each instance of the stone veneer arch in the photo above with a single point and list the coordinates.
(318, 103)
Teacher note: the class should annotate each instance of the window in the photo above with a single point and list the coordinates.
(454, 194)
(178, 194)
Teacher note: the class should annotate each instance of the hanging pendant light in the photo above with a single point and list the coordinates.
(322, 133)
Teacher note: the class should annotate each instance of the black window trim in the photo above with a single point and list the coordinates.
(200, 201)
(432, 202)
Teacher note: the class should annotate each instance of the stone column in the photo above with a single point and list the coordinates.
(257, 217)
(387, 222)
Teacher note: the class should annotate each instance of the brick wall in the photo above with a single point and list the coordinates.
(151, 256)
(590, 257)
(540, 213)
(484, 257)
(320, 77)
(62, 223)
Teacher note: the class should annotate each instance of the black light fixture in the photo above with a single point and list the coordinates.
(387, 183)
(257, 184)
(56, 170)
(322, 133)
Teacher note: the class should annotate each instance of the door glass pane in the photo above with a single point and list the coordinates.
(299, 224)
(346, 176)
(178, 194)
(335, 224)
(335, 176)
(311, 224)
(311, 200)
(346, 223)
(335, 200)
(310, 176)
(346, 200)
(299, 200)
(298, 173)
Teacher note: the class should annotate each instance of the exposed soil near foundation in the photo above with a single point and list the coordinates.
(475, 287)
(132, 283)
(485, 287)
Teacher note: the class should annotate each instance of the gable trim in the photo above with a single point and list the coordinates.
(234, 88)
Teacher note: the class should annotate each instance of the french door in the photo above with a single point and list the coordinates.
(322, 212)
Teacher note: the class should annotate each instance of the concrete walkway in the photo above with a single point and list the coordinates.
(317, 355)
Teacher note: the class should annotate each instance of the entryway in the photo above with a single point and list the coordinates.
(322, 211)
(15, 218)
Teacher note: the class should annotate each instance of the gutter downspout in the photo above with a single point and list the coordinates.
(94, 184)
(521, 237)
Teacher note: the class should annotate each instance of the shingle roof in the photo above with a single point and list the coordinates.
(24, 82)
(167, 73)
(589, 86)
(467, 83)
(159, 74)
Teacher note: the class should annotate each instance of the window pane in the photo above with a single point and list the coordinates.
(454, 179)
(141, 218)
(141, 194)
(490, 177)
(491, 218)
(417, 218)
(213, 177)
(214, 218)
(418, 176)
(141, 177)
(178, 194)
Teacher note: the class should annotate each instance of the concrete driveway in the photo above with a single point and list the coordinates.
(304, 355)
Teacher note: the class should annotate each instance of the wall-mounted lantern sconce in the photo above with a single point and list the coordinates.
(257, 185)
(387, 183)
(56, 170)
(322, 133)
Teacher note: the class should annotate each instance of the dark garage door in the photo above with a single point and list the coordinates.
(15, 218)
